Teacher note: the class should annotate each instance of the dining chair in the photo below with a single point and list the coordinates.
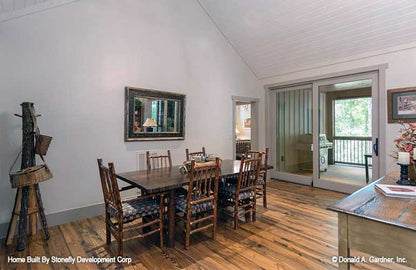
(119, 212)
(158, 161)
(243, 194)
(200, 204)
(261, 182)
(193, 154)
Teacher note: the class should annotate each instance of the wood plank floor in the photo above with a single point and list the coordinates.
(295, 232)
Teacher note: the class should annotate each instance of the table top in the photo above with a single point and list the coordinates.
(163, 179)
(371, 203)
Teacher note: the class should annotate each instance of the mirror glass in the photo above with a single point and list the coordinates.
(155, 115)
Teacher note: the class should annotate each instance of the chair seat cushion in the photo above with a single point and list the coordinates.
(229, 192)
(135, 209)
(260, 181)
(182, 191)
(181, 205)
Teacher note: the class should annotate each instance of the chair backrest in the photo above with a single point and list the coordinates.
(109, 185)
(192, 154)
(158, 161)
(242, 146)
(203, 180)
(264, 155)
(249, 173)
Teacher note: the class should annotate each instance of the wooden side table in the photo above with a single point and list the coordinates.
(373, 223)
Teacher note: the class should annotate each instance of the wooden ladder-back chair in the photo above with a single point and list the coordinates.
(158, 161)
(200, 204)
(192, 154)
(119, 212)
(243, 194)
(261, 182)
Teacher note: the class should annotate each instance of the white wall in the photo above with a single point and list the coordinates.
(74, 62)
(400, 73)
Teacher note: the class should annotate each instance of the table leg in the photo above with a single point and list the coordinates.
(343, 246)
(171, 219)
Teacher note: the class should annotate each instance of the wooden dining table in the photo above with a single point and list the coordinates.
(168, 180)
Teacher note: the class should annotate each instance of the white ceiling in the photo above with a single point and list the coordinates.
(10, 9)
(12, 5)
(275, 37)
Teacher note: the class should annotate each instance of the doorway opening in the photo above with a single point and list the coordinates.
(242, 128)
(345, 137)
(245, 125)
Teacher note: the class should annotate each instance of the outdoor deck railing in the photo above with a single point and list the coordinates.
(351, 150)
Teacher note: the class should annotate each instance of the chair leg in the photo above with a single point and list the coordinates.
(161, 221)
(107, 228)
(264, 196)
(253, 214)
(236, 214)
(188, 229)
(120, 238)
(214, 222)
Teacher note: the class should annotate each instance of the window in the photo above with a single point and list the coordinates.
(352, 117)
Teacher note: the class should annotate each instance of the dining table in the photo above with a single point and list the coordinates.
(168, 180)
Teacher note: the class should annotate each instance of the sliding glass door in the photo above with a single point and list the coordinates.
(347, 121)
(325, 134)
(293, 139)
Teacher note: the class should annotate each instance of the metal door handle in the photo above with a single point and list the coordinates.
(375, 147)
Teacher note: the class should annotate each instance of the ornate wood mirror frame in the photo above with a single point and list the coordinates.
(152, 115)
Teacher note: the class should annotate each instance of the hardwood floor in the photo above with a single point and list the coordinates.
(295, 232)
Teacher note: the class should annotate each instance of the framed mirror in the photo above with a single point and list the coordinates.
(152, 115)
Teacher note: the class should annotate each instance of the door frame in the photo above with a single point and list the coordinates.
(375, 124)
(254, 124)
(381, 71)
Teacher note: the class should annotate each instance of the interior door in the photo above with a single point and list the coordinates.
(291, 125)
(345, 112)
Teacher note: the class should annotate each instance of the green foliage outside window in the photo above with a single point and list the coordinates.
(353, 117)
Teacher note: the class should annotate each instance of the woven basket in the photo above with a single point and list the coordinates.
(42, 144)
(30, 176)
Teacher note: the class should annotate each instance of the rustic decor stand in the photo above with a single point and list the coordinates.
(404, 175)
(28, 201)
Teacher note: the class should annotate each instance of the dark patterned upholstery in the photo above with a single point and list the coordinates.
(260, 181)
(135, 209)
(229, 192)
(181, 203)
(182, 191)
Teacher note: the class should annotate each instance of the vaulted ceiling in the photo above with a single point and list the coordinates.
(10, 9)
(275, 37)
